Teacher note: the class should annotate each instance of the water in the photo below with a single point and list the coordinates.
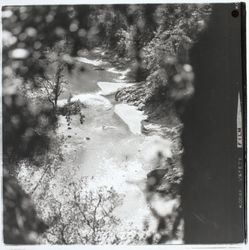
(85, 82)
(104, 148)
(105, 151)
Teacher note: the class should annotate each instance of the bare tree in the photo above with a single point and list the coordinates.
(54, 86)
(86, 218)
(56, 58)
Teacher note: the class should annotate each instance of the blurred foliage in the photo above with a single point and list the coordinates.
(53, 83)
(168, 29)
(40, 42)
(21, 223)
(26, 129)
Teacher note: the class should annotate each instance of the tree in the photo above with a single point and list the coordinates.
(54, 86)
(21, 225)
(57, 58)
(86, 216)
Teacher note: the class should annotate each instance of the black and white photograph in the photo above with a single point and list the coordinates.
(123, 123)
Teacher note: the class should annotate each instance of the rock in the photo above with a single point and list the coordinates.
(163, 207)
(155, 176)
(136, 94)
(104, 127)
(131, 116)
(140, 106)
(108, 88)
(90, 61)
(99, 68)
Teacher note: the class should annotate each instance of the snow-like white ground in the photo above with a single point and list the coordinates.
(112, 156)
(131, 116)
(122, 73)
(109, 149)
(90, 100)
(94, 62)
(108, 88)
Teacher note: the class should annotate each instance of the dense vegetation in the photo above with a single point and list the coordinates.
(154, 40)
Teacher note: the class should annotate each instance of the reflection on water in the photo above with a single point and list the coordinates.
(83, 79)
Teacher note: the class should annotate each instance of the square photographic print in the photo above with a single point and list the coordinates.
(124, 124)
